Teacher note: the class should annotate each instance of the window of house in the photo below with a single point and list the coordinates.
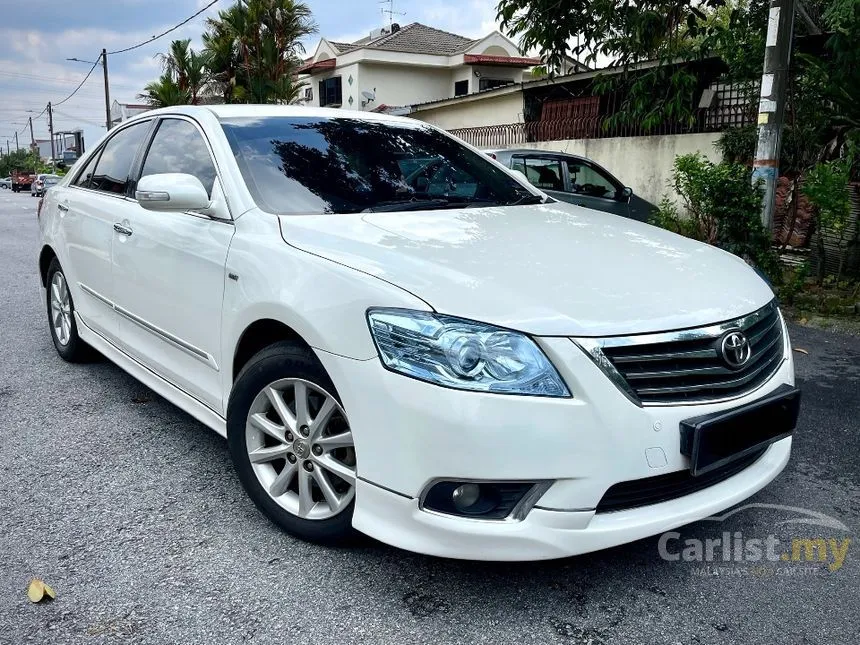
(330, 92)
(461, 88)
(490, 83)
(590, 181)
(179, 147)
(111, 173)
(542, 173)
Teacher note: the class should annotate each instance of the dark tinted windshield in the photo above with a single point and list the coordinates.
(347, 165)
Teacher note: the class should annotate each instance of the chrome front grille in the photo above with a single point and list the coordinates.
(690, 366)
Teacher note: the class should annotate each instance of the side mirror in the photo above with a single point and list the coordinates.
(627, 192)
(171, 191)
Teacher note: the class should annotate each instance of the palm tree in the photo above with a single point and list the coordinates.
(254, 50)
(164, 92)
(223, 60)
(188, 69)
(251, 52)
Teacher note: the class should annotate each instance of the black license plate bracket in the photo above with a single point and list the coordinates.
(714, 440)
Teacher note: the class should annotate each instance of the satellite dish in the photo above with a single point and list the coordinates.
(369, 96)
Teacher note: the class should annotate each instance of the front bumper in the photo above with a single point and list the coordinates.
(408, 433)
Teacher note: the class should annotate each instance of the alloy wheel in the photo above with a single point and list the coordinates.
(301, 449)
(61, 309)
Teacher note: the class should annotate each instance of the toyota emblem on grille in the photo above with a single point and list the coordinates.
(735, 349)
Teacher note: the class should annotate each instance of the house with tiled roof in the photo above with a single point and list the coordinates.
(401, 66)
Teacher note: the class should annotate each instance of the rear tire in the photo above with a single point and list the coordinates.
(61, 318)
(303, 471)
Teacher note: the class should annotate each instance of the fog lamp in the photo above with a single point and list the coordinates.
(465, 495)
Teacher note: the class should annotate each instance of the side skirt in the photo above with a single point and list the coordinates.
(176, 396)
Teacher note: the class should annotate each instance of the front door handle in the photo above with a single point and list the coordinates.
(122, 230)
(63, 208)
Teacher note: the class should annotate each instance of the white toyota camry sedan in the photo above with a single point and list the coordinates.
(399, 336)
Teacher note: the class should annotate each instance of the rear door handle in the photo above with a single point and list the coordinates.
(122, 230)
(63, 208)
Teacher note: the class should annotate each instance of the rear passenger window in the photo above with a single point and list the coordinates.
(179, 147)
(111, 173)
(544, 173)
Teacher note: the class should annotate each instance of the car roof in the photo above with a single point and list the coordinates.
(239, 110)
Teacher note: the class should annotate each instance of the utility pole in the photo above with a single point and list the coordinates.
(771, 109)
(16, 142)
(107, 90)
(51, 130)
(32, 138)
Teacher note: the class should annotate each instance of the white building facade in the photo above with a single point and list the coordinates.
(395, 67)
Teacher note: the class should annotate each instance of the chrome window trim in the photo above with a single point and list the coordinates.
(98, 192)
(593, 347)
(98, 151)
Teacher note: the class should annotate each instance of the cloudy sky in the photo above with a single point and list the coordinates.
(37, 36)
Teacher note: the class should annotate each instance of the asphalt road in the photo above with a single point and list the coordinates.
(131, 510)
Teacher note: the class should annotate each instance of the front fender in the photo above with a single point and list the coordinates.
(325, 303)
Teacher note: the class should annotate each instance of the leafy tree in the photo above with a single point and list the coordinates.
(251, 52)
(629, 32)
(826, 186)
(164, 92)
(666, 32)
(724, 209)
(184, 78)
(254, 50)
(21, 160)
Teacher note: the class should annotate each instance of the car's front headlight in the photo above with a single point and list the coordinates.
(462, 354)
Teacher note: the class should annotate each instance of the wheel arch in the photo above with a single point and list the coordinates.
(258, 335)
(46, 255)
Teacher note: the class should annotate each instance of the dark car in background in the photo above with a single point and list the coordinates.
(576, 180)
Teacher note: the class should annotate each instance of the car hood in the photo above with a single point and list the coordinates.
(548, 269)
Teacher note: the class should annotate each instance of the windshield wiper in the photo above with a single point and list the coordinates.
(526, 200)
(408, 205)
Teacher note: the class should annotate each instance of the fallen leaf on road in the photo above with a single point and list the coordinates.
(38, 591)
(802, 321)
(801, 350)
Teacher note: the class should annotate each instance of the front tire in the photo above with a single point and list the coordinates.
(61, 318)
(291, 444)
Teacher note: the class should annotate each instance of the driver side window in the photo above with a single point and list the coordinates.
(589, 181)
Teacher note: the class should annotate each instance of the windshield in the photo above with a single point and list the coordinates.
(345, 165)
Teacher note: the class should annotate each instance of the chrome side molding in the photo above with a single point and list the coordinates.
(187, 347)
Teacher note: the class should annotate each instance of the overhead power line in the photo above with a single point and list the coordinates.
(103, 58)
(79, 86)
(79, 118)
(164, 33)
